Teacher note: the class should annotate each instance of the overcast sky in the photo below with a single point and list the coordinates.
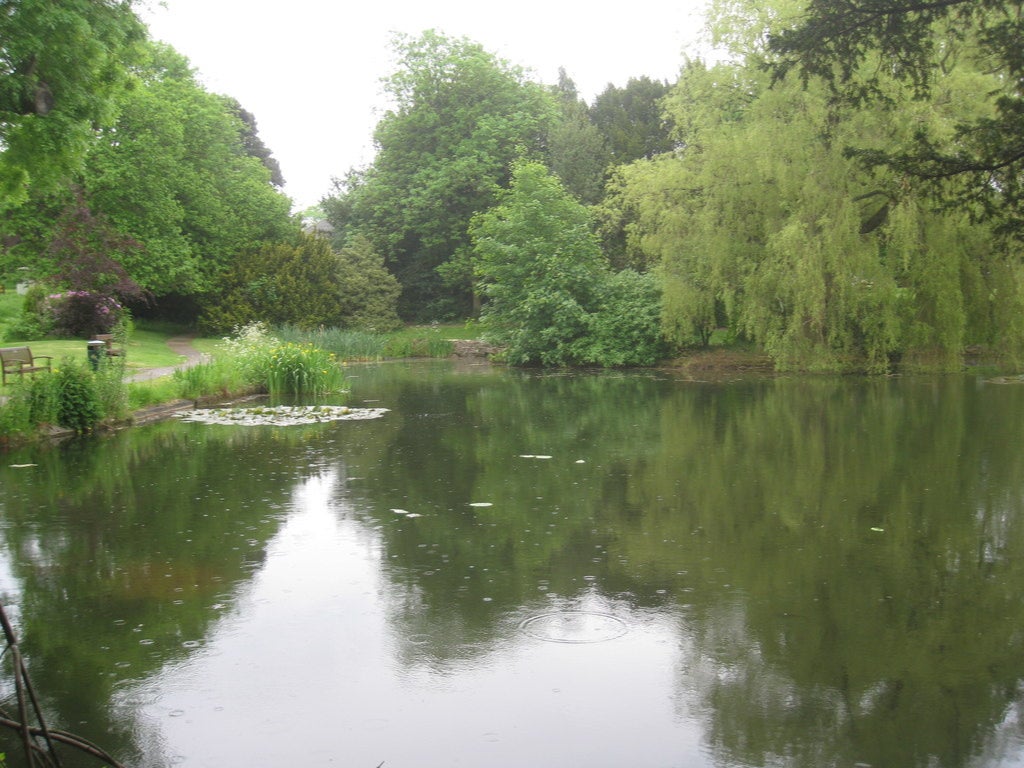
(310, 70)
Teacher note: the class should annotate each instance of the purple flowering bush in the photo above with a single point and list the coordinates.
(83, 313)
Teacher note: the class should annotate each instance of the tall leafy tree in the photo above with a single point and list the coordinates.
(254, 146)
(63, 66)
(632, 120)
(306, 283)
(551, 298)
(177, 173)
(576, 149)
(979, 164)
(460, 116)
(762, 220)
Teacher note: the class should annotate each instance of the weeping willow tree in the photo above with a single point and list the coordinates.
(763, 221)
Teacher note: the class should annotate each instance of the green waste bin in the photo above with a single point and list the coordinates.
(95, 350)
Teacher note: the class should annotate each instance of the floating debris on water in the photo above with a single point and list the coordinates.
(480, 504)
(281, 415)
(533, 456)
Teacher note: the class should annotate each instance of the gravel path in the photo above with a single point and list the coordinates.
(182, 345)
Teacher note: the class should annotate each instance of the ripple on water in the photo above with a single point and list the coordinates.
(574, 627)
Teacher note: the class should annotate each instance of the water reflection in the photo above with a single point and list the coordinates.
(514, 569)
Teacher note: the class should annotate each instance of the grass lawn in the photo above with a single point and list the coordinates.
(147, 347)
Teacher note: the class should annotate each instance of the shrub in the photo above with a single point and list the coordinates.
(35, 321)
(368, 292)
(43, 397)
(281, 282)
(626, 328)
(78, 402)
(83, 313)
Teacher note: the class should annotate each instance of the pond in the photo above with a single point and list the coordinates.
(511, 569)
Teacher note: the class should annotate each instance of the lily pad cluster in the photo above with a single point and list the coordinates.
(281, 415)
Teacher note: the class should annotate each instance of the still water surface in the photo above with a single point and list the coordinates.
(514, 569)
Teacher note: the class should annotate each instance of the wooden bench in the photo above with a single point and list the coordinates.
(20, 360)
(108, 340)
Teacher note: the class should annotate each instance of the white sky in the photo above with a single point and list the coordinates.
(310, 70)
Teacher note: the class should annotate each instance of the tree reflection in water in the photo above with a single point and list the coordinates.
(807, 572)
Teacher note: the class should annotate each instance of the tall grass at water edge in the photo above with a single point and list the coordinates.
(254, 359)
(414, 341)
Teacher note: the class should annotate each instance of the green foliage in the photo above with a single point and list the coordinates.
(248, 349)
(632, 120)
(278, 283)
(143, 394)
(301, 369)
(258, 359)
(460, 116)
(111, 389)
(62, 68)
(166, 199)
(551, 299)
(418, 342)
(367, 292)
(221, 377)
(306, 284)
(626, 328)
(349, 344)
(346, 344)
(576, 149)
(826, 266)
(16, 413)
(202, 199)
(978, 167)
(539, 266)
(34, 322)
(77, 399)
(15, 418)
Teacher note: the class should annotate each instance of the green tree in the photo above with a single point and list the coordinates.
(254, 146)
(367, 292)
(551, 298)
(306, 283)
(63, 66)
(576, 149)
(540, 266)
(460, 116)
(800, 248)
(293, 283)
(631, 119)
(979, 165)
(176, 173)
